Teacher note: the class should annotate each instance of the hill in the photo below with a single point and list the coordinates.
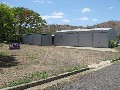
(109, 24)
(55, 27)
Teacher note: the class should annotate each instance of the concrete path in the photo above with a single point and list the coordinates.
(91, 48)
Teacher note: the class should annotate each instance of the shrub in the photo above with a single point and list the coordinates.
(113, 43)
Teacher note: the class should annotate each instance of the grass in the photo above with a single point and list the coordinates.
(113, 58)
(118, 48)
(30, 78)
(1, 44)
(3, 53)
(117, 62)
(31, 57)
(46, 61)
(74, 68)
(38, 76)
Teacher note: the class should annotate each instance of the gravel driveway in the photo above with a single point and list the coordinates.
(105, 79)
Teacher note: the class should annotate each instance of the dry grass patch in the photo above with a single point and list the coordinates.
(34, 60)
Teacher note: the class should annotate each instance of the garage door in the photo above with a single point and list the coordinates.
(100, 40)
(59, 39)
(72, 39)
(85, 39)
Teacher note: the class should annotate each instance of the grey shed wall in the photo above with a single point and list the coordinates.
(101, 38)
(26, 39)
(46, 39)
(38, 39)
(59, 39)
(66, 39)
(88, 38)
(112, 34)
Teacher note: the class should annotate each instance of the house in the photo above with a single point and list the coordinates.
(97, 37)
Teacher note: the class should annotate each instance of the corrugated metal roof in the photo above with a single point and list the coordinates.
(94, 29)
(102, 28)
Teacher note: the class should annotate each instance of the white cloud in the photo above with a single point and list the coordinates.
(42, 1)
(95, 19)
(111, 7)
(66, 20)
(38, 1)
(57, 14)
(83, 19)
(84, 10)
(54, 15)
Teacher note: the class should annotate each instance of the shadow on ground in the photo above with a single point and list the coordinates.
(7, 61)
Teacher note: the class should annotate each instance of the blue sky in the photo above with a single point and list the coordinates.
(72, 12)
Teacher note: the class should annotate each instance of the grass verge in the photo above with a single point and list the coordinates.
(38, 76)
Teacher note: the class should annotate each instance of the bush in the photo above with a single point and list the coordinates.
(119, 37)
(113, 43)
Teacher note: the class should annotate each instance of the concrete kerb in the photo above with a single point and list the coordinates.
(35, 83)
(103, 63)
(115, 60)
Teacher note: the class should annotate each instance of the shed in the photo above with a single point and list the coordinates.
(38, 39)
(97, 37)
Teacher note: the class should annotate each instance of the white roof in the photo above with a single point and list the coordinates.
(94, 29)
(102, 28)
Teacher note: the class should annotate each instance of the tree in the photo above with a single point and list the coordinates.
(7, 22)
(28, 21)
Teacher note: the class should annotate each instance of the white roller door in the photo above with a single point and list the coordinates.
(100, 39)
(85, 39)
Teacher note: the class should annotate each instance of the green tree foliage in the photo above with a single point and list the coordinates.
(7, 22)
(113, 43)
(17, 21)
(28, 21)
(119, 37)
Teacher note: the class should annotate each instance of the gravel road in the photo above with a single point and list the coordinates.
(105, 79)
